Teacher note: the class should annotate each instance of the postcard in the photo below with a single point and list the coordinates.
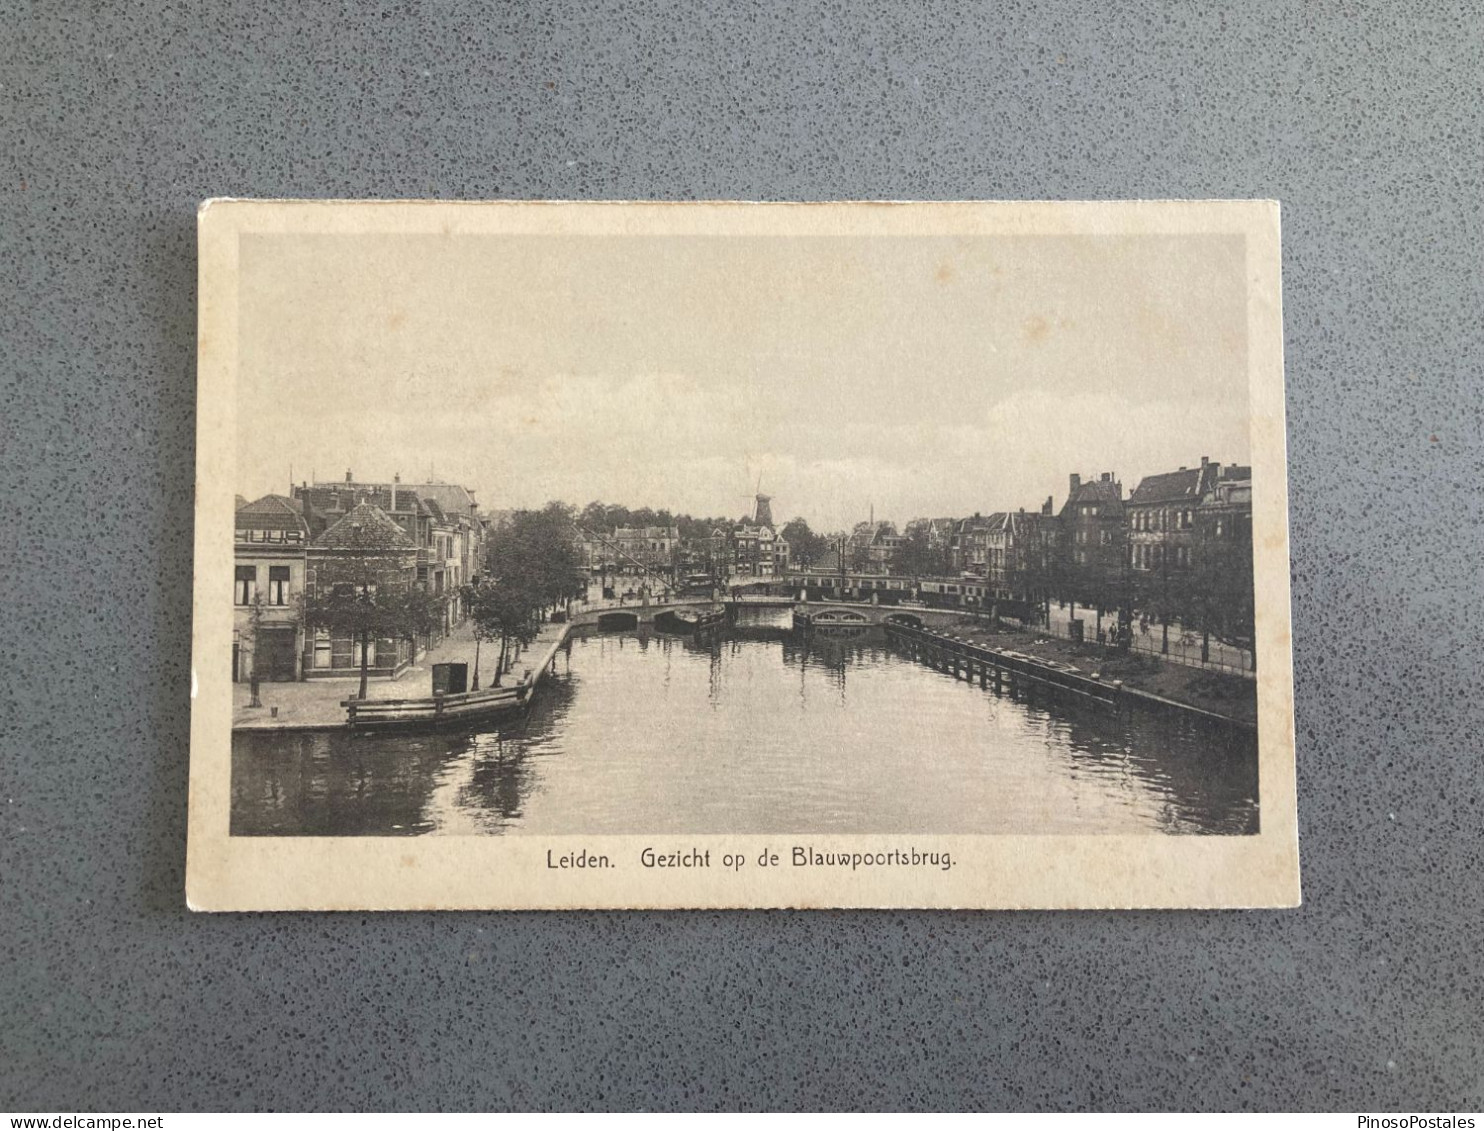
(738, 555)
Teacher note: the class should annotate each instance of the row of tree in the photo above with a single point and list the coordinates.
(597, 516)
(533, 566)
(1212, 593)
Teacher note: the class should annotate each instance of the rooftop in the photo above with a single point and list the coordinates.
(1186, 485)
(272, 512)
(365, 527)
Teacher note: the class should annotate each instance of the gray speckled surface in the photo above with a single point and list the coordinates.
(1364, 120)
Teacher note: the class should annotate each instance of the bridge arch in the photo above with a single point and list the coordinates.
(909, 619)
(618, 619)
(838, 616)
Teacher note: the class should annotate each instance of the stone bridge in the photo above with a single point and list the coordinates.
(632, 616)
(813, 613)
(822, 614)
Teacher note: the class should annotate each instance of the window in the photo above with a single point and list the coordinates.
(247, 585)
(1107, 537)
(278, 585)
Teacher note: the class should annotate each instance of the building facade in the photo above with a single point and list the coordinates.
(1162, 533)
(1019, 546)
(288, 548)
(443, 521)
(637, 549)
(874, 546)
(1224, 561)
(1092, 523)
(270, 551)
(968, 551)
(756, 548)
(365, 552)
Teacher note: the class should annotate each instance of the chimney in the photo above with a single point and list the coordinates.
(1076, 482)
(347, 476)
(1046, 506)
(1107, 477)
(1205, 460)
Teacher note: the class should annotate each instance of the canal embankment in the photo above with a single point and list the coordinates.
(1161, 684)
(317, 704)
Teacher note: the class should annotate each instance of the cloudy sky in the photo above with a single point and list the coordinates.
(921, 375)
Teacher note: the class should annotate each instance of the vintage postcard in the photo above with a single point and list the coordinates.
(646, 555)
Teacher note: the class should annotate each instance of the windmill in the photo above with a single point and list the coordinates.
(750, 560)
(762, 505)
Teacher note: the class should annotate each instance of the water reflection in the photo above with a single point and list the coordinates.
(758, 729)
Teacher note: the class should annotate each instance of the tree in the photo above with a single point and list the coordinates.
(918, 556)
(505, 612)
(533, 565)
(254, 632)
(1031, 572)
(366, 610)
(805, 546)
(535, 553)
(858, 549)
(1221, 592)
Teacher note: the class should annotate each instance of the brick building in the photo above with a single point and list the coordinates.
(443, 520)
(1019, 547)
(1161, 512)
(1092, 523)
(364, 550)
(270, 552)
(640, 548)
(968, 550)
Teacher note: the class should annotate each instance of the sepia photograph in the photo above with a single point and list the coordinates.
(795, 525)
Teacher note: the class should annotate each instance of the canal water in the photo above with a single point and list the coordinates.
(758, 730)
